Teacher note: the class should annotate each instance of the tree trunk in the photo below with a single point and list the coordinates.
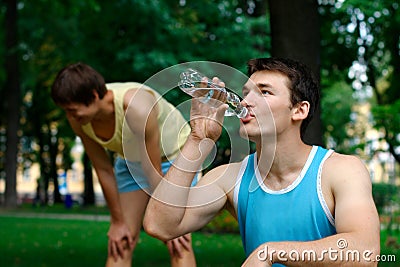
(88, 194)
(295, 33)
(13, 102)
(53, 151)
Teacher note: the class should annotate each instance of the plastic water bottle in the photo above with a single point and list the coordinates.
(194, 84)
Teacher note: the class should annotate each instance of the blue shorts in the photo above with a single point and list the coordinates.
(132, 178)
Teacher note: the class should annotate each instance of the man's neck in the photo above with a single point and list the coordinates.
(106, 107)
(282, 164)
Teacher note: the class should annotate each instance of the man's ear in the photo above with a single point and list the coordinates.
(300, 110)
(95, 94)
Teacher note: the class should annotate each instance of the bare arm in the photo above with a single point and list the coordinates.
(175, 208)
(357, 224)
(104, 169)
(141, 117)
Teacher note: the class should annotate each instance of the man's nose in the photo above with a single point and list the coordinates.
(246, 101)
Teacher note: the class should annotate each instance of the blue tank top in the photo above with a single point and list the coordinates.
(296, 213)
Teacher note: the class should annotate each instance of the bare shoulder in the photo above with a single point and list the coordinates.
(344, 163)
(342, 170)
(136, 98)
(139, 104)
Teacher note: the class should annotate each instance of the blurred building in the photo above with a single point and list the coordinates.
(380, 163)
(71, 182)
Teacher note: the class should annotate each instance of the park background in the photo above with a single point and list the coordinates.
(353, 46)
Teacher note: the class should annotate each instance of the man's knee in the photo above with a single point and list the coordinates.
(125, 242)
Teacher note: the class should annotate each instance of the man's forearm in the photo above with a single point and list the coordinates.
(174, 189)
(167, 206)
(190, 160)
(110, 193)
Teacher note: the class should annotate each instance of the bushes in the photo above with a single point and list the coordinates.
(384, 195)
(224, 222)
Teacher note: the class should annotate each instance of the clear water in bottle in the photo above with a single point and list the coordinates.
(193, 83)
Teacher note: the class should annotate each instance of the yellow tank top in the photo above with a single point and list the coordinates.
(174, 130)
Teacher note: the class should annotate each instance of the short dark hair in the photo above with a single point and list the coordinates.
(302, 83)
(75, 84)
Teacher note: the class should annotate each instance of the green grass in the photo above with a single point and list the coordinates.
(42, 242)
(38, 242)
(390, 249)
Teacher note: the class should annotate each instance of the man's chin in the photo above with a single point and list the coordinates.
(245, 134)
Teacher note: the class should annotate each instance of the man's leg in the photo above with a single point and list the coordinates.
(133, 205)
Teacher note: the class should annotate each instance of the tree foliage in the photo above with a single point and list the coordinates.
(130, 40)
(125, 40)
(361, 46)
